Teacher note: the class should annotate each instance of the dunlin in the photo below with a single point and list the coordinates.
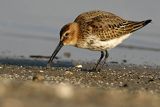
(97, 31)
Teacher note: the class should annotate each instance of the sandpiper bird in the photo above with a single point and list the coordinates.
(97, 31)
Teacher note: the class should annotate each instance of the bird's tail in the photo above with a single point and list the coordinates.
(133, 25)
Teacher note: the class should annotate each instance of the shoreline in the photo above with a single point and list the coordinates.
(117, 85)
(132, 77)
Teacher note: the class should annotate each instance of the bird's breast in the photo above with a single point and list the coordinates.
(93, 43)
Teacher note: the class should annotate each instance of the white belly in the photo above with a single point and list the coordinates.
(104, 45)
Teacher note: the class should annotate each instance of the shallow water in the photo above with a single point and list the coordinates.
(30, 27)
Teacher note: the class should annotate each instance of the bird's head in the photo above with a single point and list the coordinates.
(68, 36)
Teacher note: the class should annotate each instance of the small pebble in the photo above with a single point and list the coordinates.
(38, 77)
(78, 66)
(125, 85)
(68, 73)
(29, 71)
(41, 71)
(145, 67)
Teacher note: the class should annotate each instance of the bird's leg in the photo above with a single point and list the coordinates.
(105, 58)
(99, 60)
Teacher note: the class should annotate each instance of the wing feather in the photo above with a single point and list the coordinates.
(106, 25)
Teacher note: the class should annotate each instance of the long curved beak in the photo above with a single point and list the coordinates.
(60, 45)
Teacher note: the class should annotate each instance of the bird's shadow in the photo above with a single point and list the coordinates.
(34, 62)
(87, 67)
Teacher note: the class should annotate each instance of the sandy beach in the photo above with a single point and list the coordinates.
(117, 85)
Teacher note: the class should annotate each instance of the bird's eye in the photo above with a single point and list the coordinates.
(66, 34)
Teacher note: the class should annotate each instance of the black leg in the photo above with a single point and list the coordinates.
(105, 58)
(99, 60)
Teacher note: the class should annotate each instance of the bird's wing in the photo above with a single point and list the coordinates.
(106, 25)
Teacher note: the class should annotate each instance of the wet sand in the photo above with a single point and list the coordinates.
(116, 85)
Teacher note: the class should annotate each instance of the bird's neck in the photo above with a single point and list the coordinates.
(76, 31)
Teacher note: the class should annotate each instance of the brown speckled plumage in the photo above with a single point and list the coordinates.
(105, 25)
(98, 31)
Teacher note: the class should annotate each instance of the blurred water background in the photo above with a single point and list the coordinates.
(31, 27)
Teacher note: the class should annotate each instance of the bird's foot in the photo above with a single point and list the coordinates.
(95, 70)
